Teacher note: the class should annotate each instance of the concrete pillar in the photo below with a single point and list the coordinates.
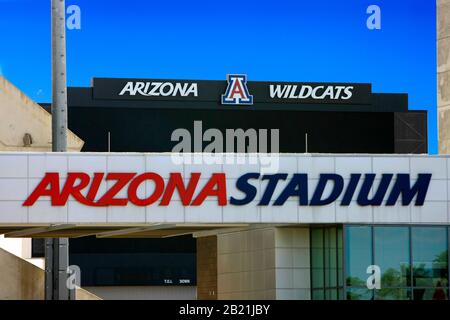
(292, 264)
(264, 263)
(207, 268)
(443, 69)
(246, 264)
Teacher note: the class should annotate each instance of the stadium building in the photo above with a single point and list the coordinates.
(337, 199)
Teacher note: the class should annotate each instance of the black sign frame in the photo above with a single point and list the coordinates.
(212, 90)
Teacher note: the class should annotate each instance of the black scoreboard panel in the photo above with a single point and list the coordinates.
(150, 130)
(134, 262)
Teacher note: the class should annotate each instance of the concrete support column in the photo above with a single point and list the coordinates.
(443, 69)
(207, 268)
(264, 263)
(292, 264)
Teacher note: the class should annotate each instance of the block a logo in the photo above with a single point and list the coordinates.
(237, 91)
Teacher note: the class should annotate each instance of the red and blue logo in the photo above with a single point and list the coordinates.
(237, 91)
(86, 189)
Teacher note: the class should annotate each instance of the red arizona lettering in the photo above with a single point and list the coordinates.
(209, 190)
(122, 181)
(75, 190)
(76, 182)
(176, 182)
(159, 189)
(93, 190)
(49, 186)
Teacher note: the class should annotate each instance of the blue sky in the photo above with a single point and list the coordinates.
(282, 40)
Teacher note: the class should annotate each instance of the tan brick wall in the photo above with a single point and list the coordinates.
(443, 69)
(207, 268)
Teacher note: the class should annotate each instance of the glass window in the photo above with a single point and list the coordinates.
(318, 294)
(431, 294)
(392, 255)
(341, 295)
(331, 294)
(358, 246)
(430, 256)
(330, 258)
(317, 255)
(413, 261)
(340, 258)
(326, 245)
(393, 294)
(317, 278)
(359, 294)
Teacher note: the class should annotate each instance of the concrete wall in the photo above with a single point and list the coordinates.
(443, 69)
(82, 294)
(20, 280)
(266, 263)
(20, 115)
